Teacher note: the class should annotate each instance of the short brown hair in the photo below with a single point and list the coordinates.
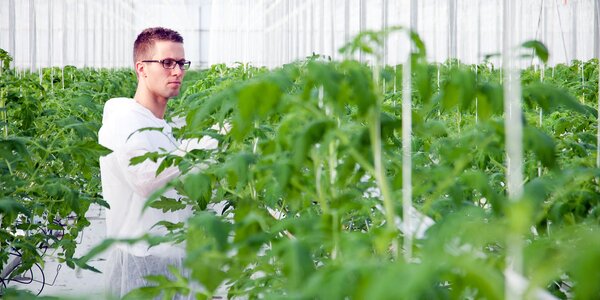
(146, 39)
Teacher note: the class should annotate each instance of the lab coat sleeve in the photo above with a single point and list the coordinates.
(142, 177)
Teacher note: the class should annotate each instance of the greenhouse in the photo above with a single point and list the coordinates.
(299, 149)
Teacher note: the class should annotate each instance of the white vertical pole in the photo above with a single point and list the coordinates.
(86, 33)
(406, 157)
(113, 34)
(282, 37)
(51, 41)
(384, 25)
(362, 22)
(347, 21)
(134, 33)
(478, 32)
(103, 40)
(288, 32)
(598, 139)
(322, 27)
(478, 55)
(514, 141)
(332, 11)
(512, 91)
(452, 29)
(312, 27)
(64, 34)
(541, 112)
(117, 33)
(414, 15)
(298, 11)
(435, 33)
(94, 61)
(64, 43)
(597, 18)
(247, 32)
(76, 44)
(407, 142)
(562, 33)
(268, 35)
(574, 6)
(50, 35)
(32, 37)
(597, 29)
(11, 31)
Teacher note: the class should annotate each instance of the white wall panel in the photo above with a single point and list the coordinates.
(100, 33)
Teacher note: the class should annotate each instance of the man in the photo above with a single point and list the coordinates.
(160, 65)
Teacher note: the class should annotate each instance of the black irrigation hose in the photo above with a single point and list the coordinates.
(43, 246)
(43, 281)
(31, 278)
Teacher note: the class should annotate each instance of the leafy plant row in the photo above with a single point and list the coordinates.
(306, 213)
(49, 160)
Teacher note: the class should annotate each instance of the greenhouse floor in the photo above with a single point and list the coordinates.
(71, 283)
(82, 284)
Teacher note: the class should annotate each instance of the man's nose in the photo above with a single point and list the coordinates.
(177, 70)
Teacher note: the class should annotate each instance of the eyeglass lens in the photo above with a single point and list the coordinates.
(170, 64)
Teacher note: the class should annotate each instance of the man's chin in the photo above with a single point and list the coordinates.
(174, 94)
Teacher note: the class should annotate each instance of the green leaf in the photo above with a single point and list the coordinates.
(146, 292)
(95, 251)
(539, 49)
(13, 147)
(160, 129)
(198, 188)
(169, 225)
(11, 208)
(210, 226)
(11, 293)
(236, 169)
(552, 98)
(207, 248)
(489, 100)
(298, 265)
(542, 145)
(167, 204)
(459, 89)
(313, 133)
(255, 101)
(152, 156)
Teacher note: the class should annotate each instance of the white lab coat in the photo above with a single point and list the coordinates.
(126, 189)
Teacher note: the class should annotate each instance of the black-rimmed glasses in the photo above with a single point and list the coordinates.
(171, 63)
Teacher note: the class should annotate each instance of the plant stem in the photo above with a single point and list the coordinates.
(4, 113)
(407, 157)
(318, 171)
(332, 166)
(598, 126)
(380, 177)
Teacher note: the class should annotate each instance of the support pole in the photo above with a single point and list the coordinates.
(32, 37)
(11, 31)
(597, 28)
(514, 144)
(452, 29)
(362, 22)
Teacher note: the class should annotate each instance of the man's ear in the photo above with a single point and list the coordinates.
(140, 69)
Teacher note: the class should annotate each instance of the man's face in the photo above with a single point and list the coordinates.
(164, 83)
